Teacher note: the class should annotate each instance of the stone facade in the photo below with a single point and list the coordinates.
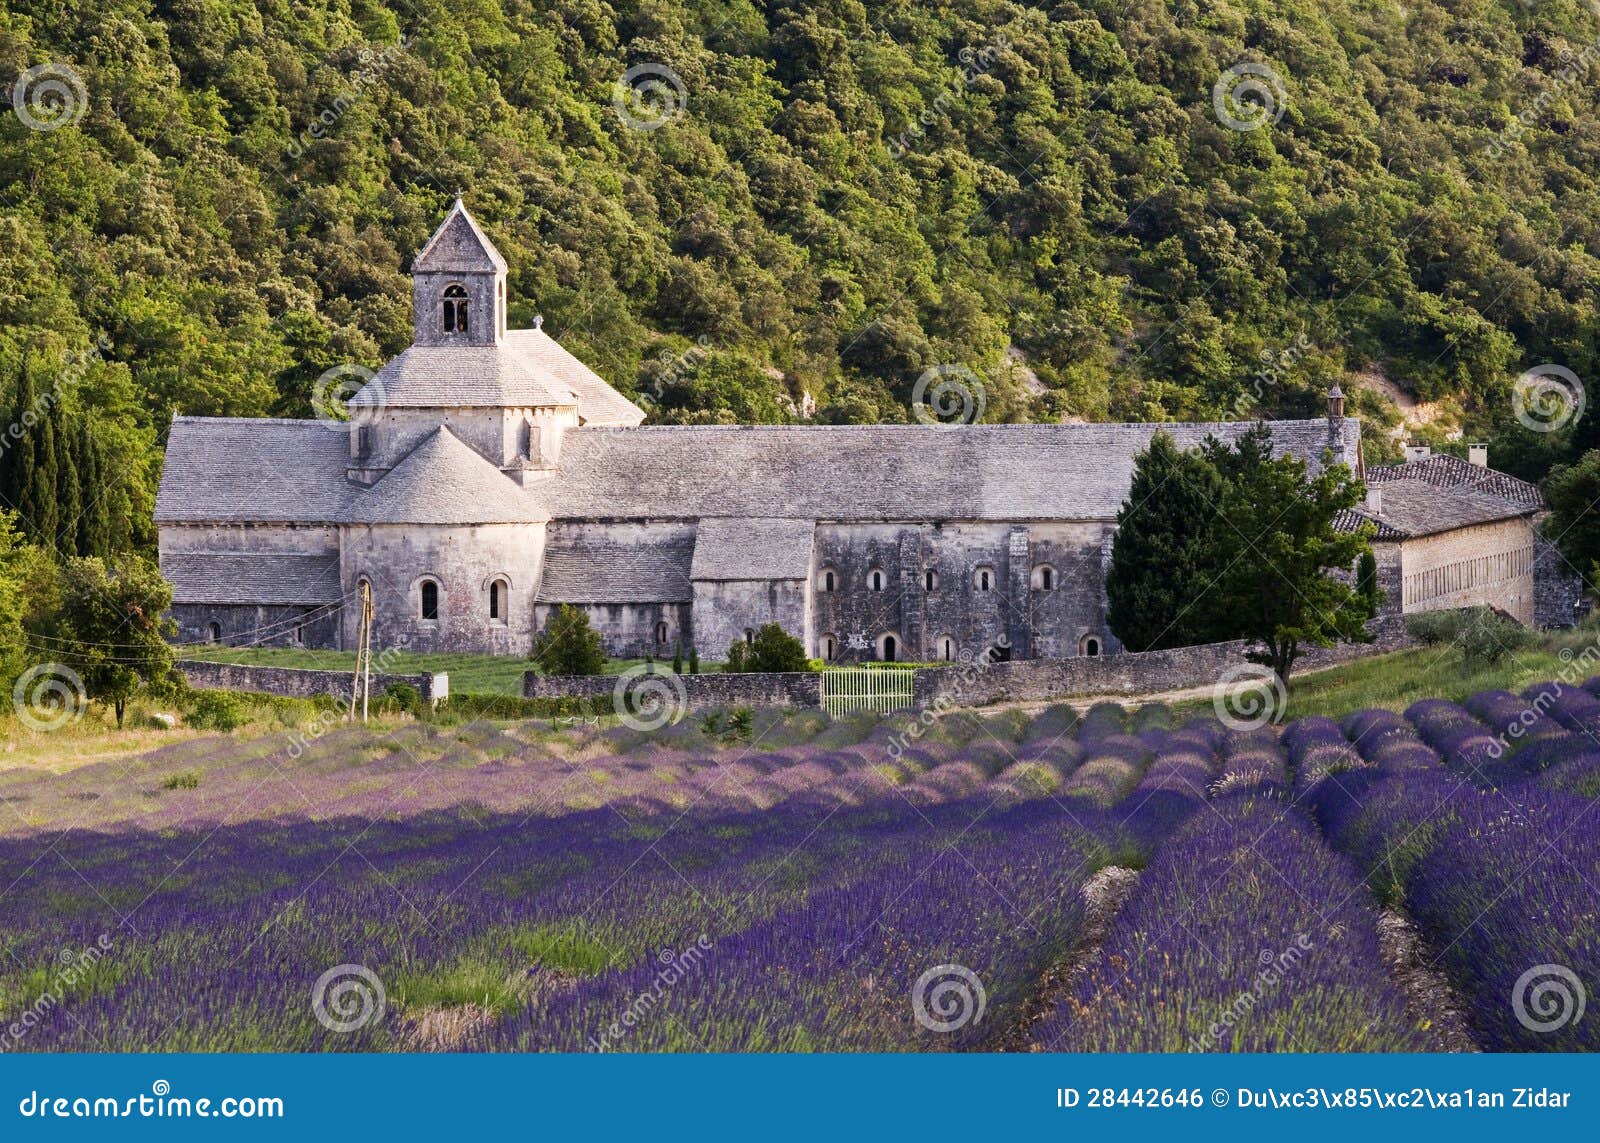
(487, 477)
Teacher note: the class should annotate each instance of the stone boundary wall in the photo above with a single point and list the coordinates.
(297, 683)
(800, 688)
(1130, 674)
(972, 684)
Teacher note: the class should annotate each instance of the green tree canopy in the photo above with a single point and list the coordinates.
(569, 645)
(112, 628)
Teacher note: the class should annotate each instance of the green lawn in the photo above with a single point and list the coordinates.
(469, 674)
(1397, 680)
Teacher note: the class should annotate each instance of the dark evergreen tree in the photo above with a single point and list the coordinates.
(1161, 568)
(69, 489)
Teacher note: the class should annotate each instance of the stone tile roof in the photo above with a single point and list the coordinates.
(598, 402)
(748, 548)
(458, 246)
(462, 376)
(1350, 521)
(250, 577)
(255, 469)
(586, 570)
(1420, 508)
(876, 472)
(1443, 471)
(444, 481)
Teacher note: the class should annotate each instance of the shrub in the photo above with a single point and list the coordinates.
(772, 649)
(402, 697)
(187, 780)
(569, 646)
(1485, 636)
(214, 710)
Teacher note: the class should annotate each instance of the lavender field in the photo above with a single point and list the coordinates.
(1113, 881)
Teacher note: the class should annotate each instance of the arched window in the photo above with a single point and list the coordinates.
(888, 647)
(214, 633)
(877, 580)
(830, 582)
(749, 636)
(661, 631)
(497, 600)
(1089, 645)
(830, 648)
(1044, 578)
(983, 579)
(947, 648)
(930, 580)
(455, 309)
(429, 594)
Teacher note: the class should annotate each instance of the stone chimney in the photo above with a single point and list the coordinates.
(1417, 452)
(1478, 454)
(1336, 424)
(1374, 503)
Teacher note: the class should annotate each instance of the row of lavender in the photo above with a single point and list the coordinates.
(850, 887)
(1479, 820)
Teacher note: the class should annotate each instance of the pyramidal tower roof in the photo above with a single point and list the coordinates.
(459, 246)
(444, 481)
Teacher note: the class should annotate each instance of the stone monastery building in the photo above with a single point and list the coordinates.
(486, 476)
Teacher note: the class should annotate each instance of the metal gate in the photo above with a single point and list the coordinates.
(848, 691)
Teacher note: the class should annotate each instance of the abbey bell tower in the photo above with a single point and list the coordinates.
(459, 286)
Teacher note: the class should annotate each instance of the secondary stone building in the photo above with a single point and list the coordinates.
(487, 476)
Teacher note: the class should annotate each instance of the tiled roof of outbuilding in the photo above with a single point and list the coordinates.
(1419, 508)
(254, 469)
(752, 548)
(1444, 471)
(587, 570)
(250, 577)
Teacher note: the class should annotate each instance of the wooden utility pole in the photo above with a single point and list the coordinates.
(362, 683)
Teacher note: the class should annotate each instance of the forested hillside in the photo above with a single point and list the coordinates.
(818, 198)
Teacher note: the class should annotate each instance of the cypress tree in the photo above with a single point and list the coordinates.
(1161, 561)
(19, 448)
(94, 525)
(37, 496)
(69, 489)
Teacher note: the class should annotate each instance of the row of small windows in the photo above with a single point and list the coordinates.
(944, 647)
(429, 593)
(1044, 578)
(1464, 575)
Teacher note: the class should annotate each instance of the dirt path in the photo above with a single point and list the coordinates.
(1103, 895)
(1429, 999)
